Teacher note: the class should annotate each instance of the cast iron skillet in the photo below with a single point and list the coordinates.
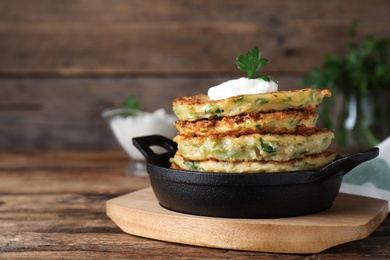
(244, 195)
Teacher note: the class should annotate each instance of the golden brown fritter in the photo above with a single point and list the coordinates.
(270, 132)
(280, 122)
(308, 162)
(254, 146)
(201, 107)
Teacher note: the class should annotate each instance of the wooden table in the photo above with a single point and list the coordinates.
(53, 205)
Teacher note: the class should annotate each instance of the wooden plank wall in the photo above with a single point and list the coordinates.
(63, 62)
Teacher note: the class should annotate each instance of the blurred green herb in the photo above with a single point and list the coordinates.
(251, 62)
(363, 68)
(131, 104)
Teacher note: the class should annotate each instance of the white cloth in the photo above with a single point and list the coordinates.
(372, 178)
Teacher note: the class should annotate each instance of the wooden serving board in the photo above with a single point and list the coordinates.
(350, 218)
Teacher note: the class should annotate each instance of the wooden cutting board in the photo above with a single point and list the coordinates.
(350, 218)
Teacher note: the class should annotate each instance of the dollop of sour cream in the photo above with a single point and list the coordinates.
(241, 86)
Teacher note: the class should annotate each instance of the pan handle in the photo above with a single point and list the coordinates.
(144, 143)
(345, 164)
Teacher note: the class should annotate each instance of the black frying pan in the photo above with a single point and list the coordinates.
(244, 195)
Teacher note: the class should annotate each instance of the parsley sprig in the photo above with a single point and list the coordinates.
(132, 104)
(251, 62)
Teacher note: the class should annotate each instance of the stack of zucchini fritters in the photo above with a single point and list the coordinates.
(270, 132)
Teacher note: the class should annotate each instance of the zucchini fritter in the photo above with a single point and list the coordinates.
(254, 146)
(200, 106)
(275, 122)
(308, 162)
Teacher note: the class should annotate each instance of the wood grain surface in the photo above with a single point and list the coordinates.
(176, 37)
(52, 206)
(350, 218)
(64, 62)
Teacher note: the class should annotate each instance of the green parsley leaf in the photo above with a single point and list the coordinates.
(265, 78)
(251, 62)
(130, 103)
(267, 148)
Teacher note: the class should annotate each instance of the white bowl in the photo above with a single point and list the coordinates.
(139, 123)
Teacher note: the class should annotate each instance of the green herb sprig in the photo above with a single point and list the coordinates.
(251, 63)
(132, 104)
(363, 68)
